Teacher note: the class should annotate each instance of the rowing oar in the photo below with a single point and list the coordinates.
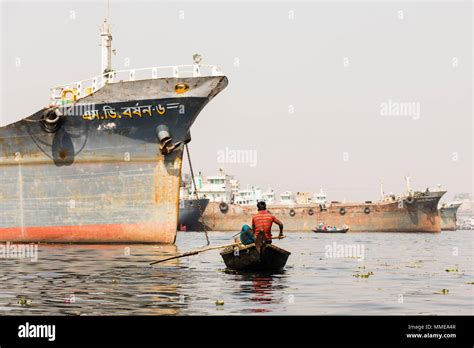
(191, 253)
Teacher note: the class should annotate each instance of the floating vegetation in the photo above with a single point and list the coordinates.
(452, 270)
(443, 292)
(219, 302)
(24, 301)
(362, 275)
(414, 264)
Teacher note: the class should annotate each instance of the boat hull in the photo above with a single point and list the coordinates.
(330, 232)
(246, 258)
(101, 176)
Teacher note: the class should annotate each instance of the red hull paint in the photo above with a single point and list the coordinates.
(129, 233)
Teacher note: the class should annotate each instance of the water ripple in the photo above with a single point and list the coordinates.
(407, 275)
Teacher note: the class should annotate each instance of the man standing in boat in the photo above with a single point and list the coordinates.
(263, 221)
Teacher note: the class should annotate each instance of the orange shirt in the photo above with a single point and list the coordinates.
(263, 221)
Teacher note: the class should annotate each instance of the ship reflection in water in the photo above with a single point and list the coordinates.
(90, 280)
(117, 279)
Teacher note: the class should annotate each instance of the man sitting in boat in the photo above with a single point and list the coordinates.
(263, 221)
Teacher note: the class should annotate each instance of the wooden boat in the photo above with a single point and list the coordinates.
(248, 258)
(320, 230)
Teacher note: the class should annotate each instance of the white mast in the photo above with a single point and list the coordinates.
(106, 45)
(407, 179)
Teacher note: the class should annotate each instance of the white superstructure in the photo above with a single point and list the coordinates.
(320, 198)
(269, 196)
(216, 188)
(250, 196)
(226, 188)
(287, 197)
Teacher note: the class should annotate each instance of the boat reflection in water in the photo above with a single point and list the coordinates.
(263, 290)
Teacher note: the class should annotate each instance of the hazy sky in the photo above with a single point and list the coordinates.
(309, 83)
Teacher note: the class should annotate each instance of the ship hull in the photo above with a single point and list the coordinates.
(448, 218)
(189, 213)
(101, 176)
(421, 216)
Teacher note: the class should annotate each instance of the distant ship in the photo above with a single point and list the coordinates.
(466, 224)
(190, 213)
(102, 163)
(447, 212)
(416, 213)
(411, 212)
(191, 209)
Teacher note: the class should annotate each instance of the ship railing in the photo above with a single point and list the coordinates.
(70, 92)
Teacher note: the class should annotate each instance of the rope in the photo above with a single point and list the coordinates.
(201, 212)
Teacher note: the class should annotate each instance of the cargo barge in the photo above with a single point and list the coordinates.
(102, 163)
(417, 212)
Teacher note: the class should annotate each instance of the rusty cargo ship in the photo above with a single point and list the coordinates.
(102, 163)
(413, 212)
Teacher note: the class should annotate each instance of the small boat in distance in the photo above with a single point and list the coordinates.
(329, 231)
(247, 258)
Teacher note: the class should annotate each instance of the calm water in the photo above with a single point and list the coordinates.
(409, 274)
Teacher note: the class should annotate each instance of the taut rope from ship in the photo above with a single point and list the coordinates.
(201, 212)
